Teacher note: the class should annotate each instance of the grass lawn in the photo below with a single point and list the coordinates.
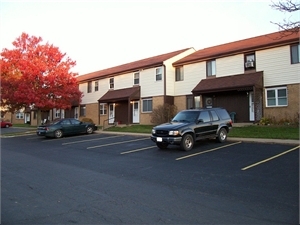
(254, 131)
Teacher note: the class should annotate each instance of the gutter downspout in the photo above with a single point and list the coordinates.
(165, 83)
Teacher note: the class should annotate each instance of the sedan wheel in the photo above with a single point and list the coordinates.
(89, 130)
(187, 142)
(222, 135)
(7, 126)
(58, 133)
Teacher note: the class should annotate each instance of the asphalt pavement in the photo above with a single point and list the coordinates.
(26, 131)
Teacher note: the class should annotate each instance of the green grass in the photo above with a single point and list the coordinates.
(255, 131)
(269, 132)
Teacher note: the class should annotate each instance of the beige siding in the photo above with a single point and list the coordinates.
(193, 74)
(277, 67)
(123, 81)
(230, 65)
(170, 71)
(149, 86)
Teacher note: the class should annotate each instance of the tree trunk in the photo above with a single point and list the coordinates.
(39, 117)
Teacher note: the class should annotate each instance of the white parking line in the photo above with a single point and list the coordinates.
(75, 142)
(138, 150)
(116, 143)
(210, 150)
(268, 159)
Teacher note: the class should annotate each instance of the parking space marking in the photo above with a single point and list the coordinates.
(75, 142)
(210, 150)
(116, 143)
(138, 150)
(271, 158)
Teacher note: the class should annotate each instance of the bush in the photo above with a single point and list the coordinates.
(87, 120)
(163, 113)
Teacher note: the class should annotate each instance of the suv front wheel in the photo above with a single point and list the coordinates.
(222, 135)
(187, 142)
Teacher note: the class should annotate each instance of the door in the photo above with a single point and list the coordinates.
(111, 113)
(251, 106)
(135, 112)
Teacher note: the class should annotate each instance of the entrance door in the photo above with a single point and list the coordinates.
(251, 106)
(135, 112)
(111, 113)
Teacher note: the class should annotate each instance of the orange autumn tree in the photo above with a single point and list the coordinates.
(37, 75)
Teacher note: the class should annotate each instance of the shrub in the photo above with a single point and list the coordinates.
(88, 120)
(163, 113)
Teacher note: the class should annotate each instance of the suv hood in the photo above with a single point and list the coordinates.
(170, 126)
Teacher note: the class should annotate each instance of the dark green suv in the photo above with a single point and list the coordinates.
(192, 125)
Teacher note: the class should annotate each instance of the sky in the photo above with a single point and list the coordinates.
(101, 34)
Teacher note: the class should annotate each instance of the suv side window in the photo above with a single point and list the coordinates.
(204, 116)
(214, 116)
(223, 114)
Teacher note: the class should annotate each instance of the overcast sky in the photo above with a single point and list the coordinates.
(102, 34)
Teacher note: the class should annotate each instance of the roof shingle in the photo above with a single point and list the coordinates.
(229, 83)
(136, 65)
(241, 46)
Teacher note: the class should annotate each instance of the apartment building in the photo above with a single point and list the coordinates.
(252, 78)
(126, 94)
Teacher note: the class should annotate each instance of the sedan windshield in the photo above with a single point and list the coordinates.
(186, 116)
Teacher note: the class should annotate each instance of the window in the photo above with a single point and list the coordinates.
(136, 78)
(19, 115)
(147, 105)
(76, 112)
(111, 82)
(89, 87)
(179, 73)
(276, 96)
(96, 86)
(197, 102)
(59, 113)
(190, 102)
(204, 116)
(250, 61)
(74, 121)
(211, 68)
(103, 109)
(214, 115)
(82, 110)
(158, 74)
(295, 53)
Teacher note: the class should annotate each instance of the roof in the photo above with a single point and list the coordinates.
(121, 94)
(242, 46)
(130, 67)
(229, 83)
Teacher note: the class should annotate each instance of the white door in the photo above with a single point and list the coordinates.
(251, 106)
(135, 112)
(111, 113)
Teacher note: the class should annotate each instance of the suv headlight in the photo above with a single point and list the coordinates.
(153, 131)
(173, 132)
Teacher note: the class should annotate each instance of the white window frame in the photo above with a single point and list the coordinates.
(179, 73)
(145, 101)
(136, 78)
(211, 68)
(89, 87)
(96, 86)
(295, 54)
(19, 115)
(103, 108)
(158, 74)
(276, 98)
(111, 83)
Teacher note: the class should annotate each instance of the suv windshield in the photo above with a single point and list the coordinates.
(186, 116)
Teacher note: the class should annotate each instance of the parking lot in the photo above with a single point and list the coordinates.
(115, 179)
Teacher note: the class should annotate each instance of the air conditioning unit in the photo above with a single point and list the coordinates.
(249, 64)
